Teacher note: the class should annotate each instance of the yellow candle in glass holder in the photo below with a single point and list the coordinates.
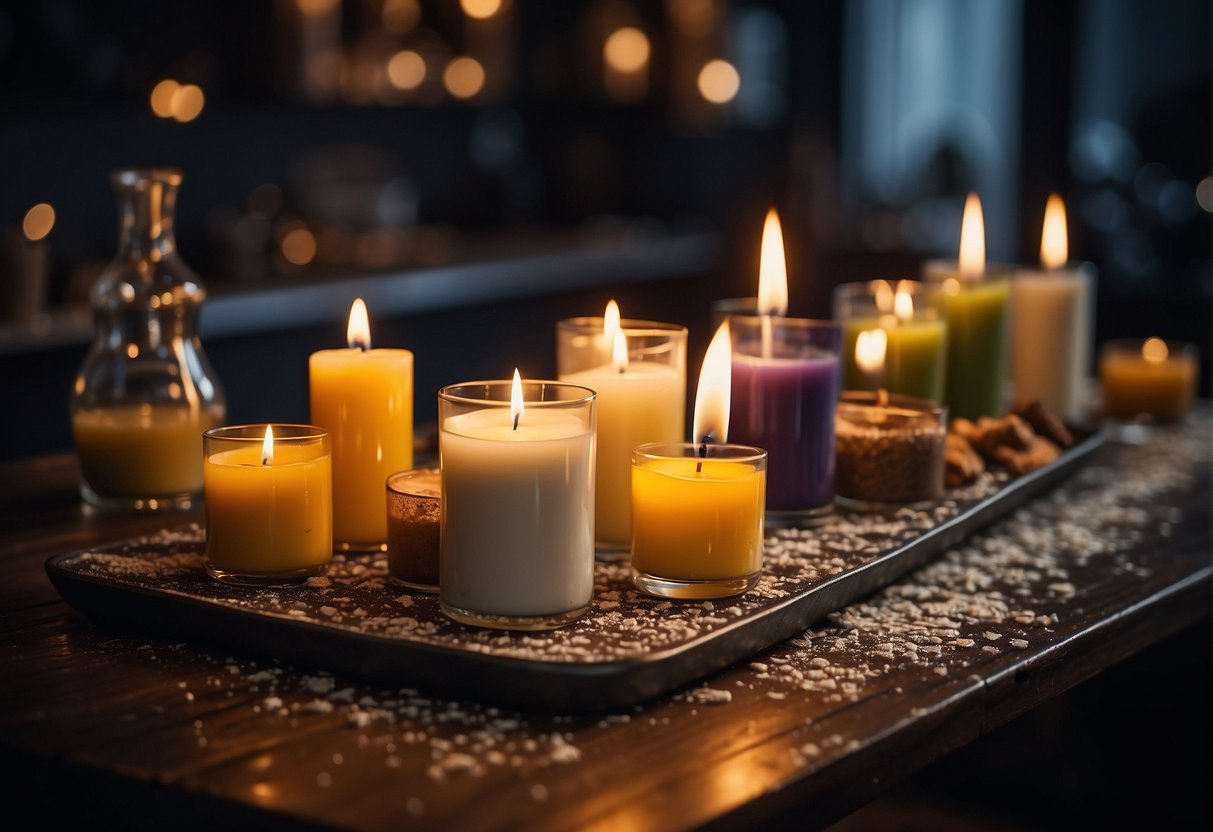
(269, 505)
(364, 399)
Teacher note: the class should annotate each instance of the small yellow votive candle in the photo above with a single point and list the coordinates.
(269, 503)
(1154, 378)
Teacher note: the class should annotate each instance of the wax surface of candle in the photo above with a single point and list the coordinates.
(645, 403)
(915, 357)
(1133, 385)
(142, 450)
(364, 399)
(268, 518)
(517, 533)
(697, 526)
(977, 315)
(786, 406)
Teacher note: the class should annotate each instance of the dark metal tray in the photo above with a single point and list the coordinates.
(627, 649)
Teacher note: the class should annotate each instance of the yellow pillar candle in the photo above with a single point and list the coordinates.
(1155, 379)
(698, 509)
(269, 506)
(638, 369)
(364, 399)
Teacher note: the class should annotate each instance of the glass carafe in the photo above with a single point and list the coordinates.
(146, 392)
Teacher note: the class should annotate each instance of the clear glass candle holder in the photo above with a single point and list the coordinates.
(269, 503)
(785, 383)
(517, 529)
(916, 348)
(1148, 380)
(414, 514)
(891, 451)
(698, 519)
(641, 398)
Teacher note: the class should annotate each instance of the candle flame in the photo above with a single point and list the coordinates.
(358, 333)
(610, 325)
(870, 349)
(903, 304)
(1155, 350)
(713, 391)
(883, 294)
(267, 447)
(619, 351)
(772, 269)
(516, 406)
(972, 240)
(1054, 248)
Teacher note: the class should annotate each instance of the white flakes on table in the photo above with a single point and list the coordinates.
(710, 696)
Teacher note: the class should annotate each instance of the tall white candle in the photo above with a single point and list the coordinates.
(517, 534)
(1052, 323)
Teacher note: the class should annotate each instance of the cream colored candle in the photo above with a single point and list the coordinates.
(638, 369)
(269, 503)
(364, 399)
(517, 537)
(1052, 323)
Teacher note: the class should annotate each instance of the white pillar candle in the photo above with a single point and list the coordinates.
(1052, 323)
(517, 537)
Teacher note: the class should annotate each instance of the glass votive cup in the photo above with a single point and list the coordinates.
(1148, 380)
(891, 451)
(916, 350)
(414, 513)
(269, 503)
(698, 521)
(786, 378)
(640, 399)
(726, 308)
(517, 528)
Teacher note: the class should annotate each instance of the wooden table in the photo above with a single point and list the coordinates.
(126, 728)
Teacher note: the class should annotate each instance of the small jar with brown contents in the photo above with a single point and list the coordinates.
(414, 512)
(890, 450)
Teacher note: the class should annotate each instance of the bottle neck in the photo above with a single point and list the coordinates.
(146, 207)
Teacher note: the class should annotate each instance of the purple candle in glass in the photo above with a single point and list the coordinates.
(786, 380)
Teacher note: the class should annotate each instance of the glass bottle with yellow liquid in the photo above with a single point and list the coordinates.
(146, 392)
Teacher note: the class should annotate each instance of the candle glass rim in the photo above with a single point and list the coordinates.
(448, 394)
(1132, 346)
(864, 291)
(632, 327)
(283, 432)
(789, 321)
(412, 473)
(993, 272)
(724, 451)
(136, 176)
(858, 400)
(1083, 268)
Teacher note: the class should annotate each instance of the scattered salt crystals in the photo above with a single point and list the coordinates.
(318, 706)
(271, 703)
(405, 600)
(710, 696)
(1019, 644)
(539, 792)
(319, 684)
(324, 779)
(318, 582)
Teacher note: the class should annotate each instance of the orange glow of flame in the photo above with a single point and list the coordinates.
(1155, 350)
(772, 269)
(903, 304)
(267, 447)
(1054, 248)
(882, 292)
(870, 349)
(972, 240)
(516, 406)
(619, 351)
(358, 333)
(610, 323)
(714, 390)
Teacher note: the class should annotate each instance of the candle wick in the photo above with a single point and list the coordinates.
(622, 369)
(517, 416)
(703, 452)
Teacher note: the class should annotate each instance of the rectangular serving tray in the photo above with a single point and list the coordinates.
(627, 649)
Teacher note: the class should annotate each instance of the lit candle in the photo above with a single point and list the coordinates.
(269, 506)
(1153, 378)
(638, 369)
(697, 508)
(974, 300)
(364, 399)
(517, 535)
(1052, 322)
(890, 447)
(785, 380)
(917, 336)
